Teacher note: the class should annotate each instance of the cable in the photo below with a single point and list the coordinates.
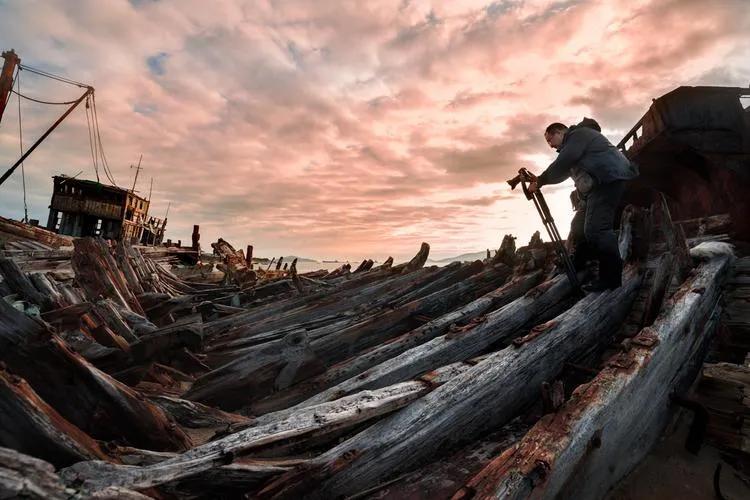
(95, 139)
(91, 140)
(43, 102)
(105, 163)
(52, 76)
(20, 141)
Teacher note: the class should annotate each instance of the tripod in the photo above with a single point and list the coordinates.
(524, 176)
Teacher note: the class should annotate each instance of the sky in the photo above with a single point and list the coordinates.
(347, 129)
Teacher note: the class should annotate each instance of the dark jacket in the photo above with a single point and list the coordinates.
(588, 149)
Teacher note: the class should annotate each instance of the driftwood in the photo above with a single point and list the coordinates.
(234, 264)
(468, 402)
(375, 381)
(609, 424)
(25, 232)
(464, 343)
(23, 476)
(21, 284)
(30, 425)
(267, 367)
(416, 262)
(97, 273)
(455, 321)
(85, 396)
(348, 411)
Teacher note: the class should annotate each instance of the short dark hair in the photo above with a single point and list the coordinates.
(555, 127)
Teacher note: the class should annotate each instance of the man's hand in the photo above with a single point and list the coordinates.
(533, 186)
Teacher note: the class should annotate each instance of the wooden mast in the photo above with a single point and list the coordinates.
(6, 77)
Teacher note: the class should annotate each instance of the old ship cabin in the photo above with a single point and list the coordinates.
(88, 208)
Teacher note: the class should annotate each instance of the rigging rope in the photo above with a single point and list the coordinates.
(105, 163)
(95, 139)
(92, 144)
(52, 76)
(20, 141)
(43, 102)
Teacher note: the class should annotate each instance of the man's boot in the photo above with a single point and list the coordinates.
(610, 275)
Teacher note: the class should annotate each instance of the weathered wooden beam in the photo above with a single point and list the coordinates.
(610, 423)
(195, 415)
(23, 476)
(98, 275)
(472, 340)
(446, 475)
(30, 425)
(487, 395)
(21, 284)
(416, 262)
(87, 397)
(673, 236)
(350, 411)
(456, 321)
(261, 367)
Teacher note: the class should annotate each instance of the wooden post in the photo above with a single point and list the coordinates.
(249, 256)
(196, 237)
(6, 77)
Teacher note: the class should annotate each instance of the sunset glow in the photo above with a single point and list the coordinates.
(348, 129)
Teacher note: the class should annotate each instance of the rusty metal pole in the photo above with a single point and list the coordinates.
(6, 77)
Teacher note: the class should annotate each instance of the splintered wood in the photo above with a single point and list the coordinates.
(120, 379)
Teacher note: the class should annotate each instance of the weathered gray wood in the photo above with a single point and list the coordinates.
(662, 276)
(97, 273)
(625, 238)
(21, 284)
(610, 423)
(457, 320)
(712, 224)
(346, 412)
(230, 385)
(124, 263)
(230, 481)
(673, 235)
(87, 397)
(416, 262)
(496, 326)
(45, 287)
(195, 415)
(108, 312)
(23, 476)
(345, 298)
(487, 395)
(443, 477)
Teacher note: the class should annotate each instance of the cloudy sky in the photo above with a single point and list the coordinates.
(348, 128)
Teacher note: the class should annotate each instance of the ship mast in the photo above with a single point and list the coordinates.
(6, 77)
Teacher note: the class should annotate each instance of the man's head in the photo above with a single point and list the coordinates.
(554, 135)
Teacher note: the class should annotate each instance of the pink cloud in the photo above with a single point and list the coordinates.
(350, 128)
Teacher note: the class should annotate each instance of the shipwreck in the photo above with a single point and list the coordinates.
(485, 379)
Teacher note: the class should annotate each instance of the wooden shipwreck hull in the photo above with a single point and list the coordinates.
(480, 379)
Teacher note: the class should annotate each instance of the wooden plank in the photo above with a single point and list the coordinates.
(349, 411)
(458, 320)
(495, 327)
(610, 424)
(30, 425)
(487, 395)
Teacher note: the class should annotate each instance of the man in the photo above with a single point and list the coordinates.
(599, 171)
